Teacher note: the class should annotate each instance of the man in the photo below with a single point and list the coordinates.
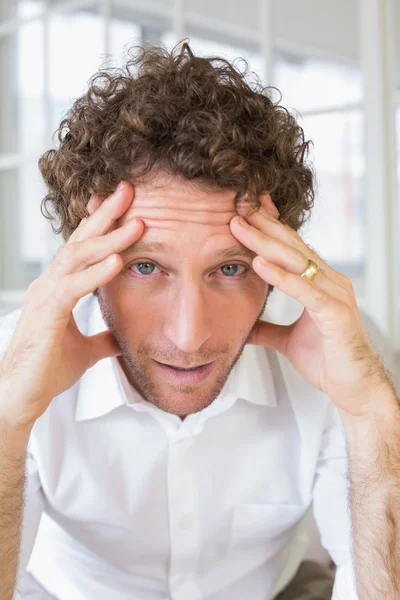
(174, 440)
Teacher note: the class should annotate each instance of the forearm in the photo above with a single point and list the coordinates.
(373, 444)
(13, 447)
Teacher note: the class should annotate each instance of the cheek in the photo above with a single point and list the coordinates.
(132, 313)
(241, 308)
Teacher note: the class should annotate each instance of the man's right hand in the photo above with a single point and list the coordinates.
(47, 353)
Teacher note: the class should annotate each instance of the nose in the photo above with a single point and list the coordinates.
(188, 320)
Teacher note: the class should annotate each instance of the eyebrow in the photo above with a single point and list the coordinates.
(143, 247)
(237, 250)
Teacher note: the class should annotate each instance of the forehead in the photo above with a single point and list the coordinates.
(170, 202)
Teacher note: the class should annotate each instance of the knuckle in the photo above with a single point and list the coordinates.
(60, 260)
(34, 287)
(64, 293)
(298, 255)
(347, 284)
(322, 276)
(74, 248)
(297, 241)
(350, 296)
(77, 234)
(70, 253)
(88, 277)
(282, 277)
(322, 299)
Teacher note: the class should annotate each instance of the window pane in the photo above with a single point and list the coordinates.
(204, 47)
(239, 13)
(336, 229)
(9, 94)
(34, 229)
(75, 49)
(398, 163)
(10, 249)
(25, 235)
(31, 117)
(21, 110)
(30, 8)
(123, 35)
(8, 10)
(309, 83)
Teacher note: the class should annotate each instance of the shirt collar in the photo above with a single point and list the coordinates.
(104, 387)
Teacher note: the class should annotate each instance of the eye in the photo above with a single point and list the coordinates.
(232, 270)
(144, 268)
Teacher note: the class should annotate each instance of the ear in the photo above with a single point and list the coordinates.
(93, 204)
(268, 205)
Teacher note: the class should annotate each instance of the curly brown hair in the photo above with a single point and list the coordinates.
(201, 118)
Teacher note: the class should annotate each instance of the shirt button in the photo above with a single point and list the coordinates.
(184, 587)
(180, 579)
(186, 523)
(185, 443)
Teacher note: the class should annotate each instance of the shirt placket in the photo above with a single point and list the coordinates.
(185, 539)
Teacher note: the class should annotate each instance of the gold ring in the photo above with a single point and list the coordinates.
(311, 270)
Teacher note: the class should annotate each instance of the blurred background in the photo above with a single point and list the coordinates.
(336, 63)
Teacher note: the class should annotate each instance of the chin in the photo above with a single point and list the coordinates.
(176, 399)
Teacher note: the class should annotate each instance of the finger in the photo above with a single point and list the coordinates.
(259, 218)
(77, 256)
(102, 345)
(321, 299)
(272, 249)
(294, 258)
(268, 205)
(93, 204)
(246, 203)
(270, 334)
(286, 257)
(108, 212)
(76, 285)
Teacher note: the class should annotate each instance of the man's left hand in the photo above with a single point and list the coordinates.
(328, 344)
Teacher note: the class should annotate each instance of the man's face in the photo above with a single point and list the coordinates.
(186, 296)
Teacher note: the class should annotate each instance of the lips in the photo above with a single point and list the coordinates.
(185, 375)
(178, 368)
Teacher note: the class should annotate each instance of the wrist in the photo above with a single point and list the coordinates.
(14, 438)
(379, 416)
(17, 412)
(375, 400)
(12, 430)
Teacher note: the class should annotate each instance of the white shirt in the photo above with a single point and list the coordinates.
(139, 505)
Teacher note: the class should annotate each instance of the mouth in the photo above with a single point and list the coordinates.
(182, 375)
(184, 368)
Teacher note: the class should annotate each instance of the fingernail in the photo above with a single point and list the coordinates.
(119, 189)
(242, 222)
(110, 262)
(262, 261)
(132, 224)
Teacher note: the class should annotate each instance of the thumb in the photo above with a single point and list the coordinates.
(103, 345)
(270, 334)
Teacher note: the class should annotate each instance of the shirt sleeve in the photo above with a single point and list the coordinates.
(34, 505)
(332, 507)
